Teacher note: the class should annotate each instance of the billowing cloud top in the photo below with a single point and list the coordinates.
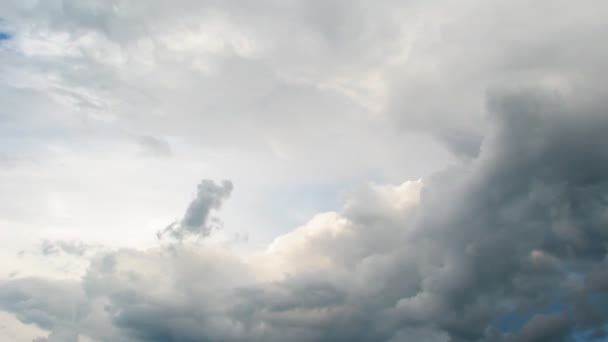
(503, 240)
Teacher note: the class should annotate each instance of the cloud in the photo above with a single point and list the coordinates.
(507, 233)
(76, 248)
(216, 75)
(507, 244)
(197, 220)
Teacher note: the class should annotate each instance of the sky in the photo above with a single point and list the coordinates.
(290, 170)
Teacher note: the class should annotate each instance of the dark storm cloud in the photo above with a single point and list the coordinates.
(198, 220)
(528, 214)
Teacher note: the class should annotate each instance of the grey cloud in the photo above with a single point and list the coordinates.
(198, 220)
(49, 304)
(538, 187)
(76, 248)
(438, 89)
(546, 328)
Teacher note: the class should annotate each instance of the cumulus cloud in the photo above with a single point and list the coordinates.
(198, 220)
(516, 230)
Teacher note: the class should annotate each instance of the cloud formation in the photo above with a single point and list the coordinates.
(463, 256)
(197, 220)
(507, 243)
(77, 248)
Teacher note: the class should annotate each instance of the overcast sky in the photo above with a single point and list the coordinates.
(320, 170)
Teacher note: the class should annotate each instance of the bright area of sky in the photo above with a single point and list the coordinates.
(112, 112)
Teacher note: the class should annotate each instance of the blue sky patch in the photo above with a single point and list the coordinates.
(586, 336)
(515, 321)
(5, 35)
